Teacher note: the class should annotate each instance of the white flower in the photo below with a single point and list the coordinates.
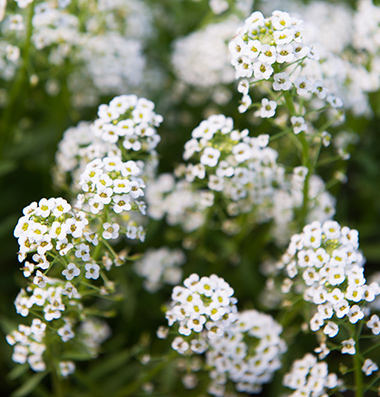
(262, 70)
(331, 329)
(210, 156)
(110, 231)
(242, 152)
(66, 333)
(285, 53)
(71, 271)
(66, 368)
(319, 89)
(61, 207)
(303, 85)
(298, 124)
(268, 108)
(83, 252)
(282, 82)
(348, 347)
(243, 86)
(374, 324)
(268, 54)
(369, 367)
(245, 103)
(92, 271)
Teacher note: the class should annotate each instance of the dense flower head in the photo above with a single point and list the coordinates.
(160, 266)
(111, 182)
(203, 304)
(324, 263)
(129, 121)
(248, 353)
(27, 342)
(240, 167)
(55, 26)
(50, 225)
(230, 171)
(263, 42)
(308, 377)
(126, 128)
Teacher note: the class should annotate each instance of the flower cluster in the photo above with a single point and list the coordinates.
(130, 121)
(263, 42)
(28, 344)
(242, 347)
(248, 353)
(65, 247)
(126, 128)
(324, 264)
(207, 65)
(308, 377)
(160, 266)
(242, 168)
(203, 304)
(178, 201)
(52, 227)
(111, 182)
(106, 54)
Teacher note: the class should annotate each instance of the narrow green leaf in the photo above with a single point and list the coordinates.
(109, 364)
(29, 385)
(18, 371)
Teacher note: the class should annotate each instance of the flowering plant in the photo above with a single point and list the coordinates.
(202, 252)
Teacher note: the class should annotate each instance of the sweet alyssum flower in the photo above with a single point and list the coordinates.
(308, 377)
(326, 264)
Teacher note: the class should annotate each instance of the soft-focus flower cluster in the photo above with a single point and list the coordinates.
(308, 377)
(178, 202)
(221, 6)
(126, 128)
(28, 344)
(103, 41)
(205, 66)
(324, 264)
(231, 162)
(248, 353)
(160, 266)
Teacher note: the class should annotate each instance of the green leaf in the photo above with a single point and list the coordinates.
(29, 385)
(77, 355)
(110, 364)
(18, 371)
(6, 325)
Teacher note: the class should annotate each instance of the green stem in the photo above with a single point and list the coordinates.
(280, 134)
(358, 375)
(306, 163)
(57, 385)
(289, 103)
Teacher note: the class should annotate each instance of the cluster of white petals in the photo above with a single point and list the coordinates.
(248, 353)
(265, 41)
(308, 377)
(202, 304)
(324, 263)
(160, 266)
